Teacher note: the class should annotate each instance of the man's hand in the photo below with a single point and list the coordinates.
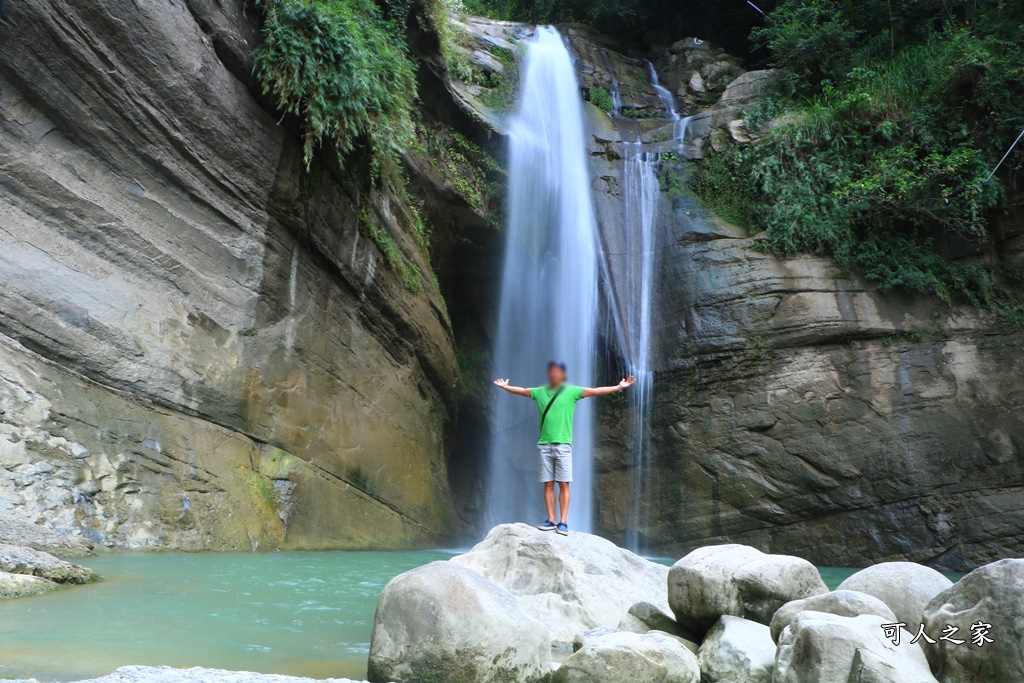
(623, 384)
(518, 391)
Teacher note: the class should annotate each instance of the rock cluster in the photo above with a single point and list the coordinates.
(495, 613)
(25, 572)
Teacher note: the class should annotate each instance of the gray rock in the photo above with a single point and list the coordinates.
(905, 587)
(585, 637)
(444, 622)
(737, 651)
(19, 560)
(643, 617)
(167, 674)
(845, 603)
(24, 585)
(827, 648)
(628, 657)
(739, 581)
(572, 583)
(132, 412)
(993, 594)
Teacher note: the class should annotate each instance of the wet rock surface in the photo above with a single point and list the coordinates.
(21, 560)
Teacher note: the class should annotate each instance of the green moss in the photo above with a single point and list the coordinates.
(248, 332)
(600, 98)
(475, 174)
(261, 488)
(391, 252)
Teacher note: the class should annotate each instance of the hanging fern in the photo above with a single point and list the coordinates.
(345, 72)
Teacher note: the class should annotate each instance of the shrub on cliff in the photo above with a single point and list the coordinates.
(344, 70)
(878, 151)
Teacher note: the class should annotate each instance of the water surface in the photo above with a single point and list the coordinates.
(304, 614)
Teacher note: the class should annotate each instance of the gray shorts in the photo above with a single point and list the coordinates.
(555, 461)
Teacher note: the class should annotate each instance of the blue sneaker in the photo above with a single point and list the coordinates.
(562, 528)
(547, 526)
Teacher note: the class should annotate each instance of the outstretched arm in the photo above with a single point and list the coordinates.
(604, 391)
(518, 391)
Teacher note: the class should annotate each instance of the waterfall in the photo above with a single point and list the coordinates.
(679, 124)
(548, 306)
(641, 192)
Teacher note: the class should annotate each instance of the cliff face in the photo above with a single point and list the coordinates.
(798, 409)
(198, 347)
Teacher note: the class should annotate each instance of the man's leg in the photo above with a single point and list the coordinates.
(549, 498)
(563, 500)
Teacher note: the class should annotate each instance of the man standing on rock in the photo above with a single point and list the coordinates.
(556, 404)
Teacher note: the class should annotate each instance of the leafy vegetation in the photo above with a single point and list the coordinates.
(600, 98)
(343, 69)
(877, 148)
(474, 173)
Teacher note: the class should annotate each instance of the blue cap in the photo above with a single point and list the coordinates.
(558, 364)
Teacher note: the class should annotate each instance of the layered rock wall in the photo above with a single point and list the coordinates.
(198, 346)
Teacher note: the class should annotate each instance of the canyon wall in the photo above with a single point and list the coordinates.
(199, 348)
(797, 408)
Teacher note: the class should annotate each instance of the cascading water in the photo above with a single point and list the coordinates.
(641, 195)
(549, 288)
(640, 192)
(679, 124)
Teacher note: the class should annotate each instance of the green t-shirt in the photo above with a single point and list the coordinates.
(557, 427)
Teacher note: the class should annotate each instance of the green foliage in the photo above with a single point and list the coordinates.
(474, 173)
(719, 187)
(248, 332)
(635, 113)
(602, 14)
(600, 97)
(344, 71)
(880, 159)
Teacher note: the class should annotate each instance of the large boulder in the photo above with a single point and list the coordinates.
(737, 651)
(19, 560)
(828, 648)
(906, 587)
(23, 585)
(739, 581)
(443, 622)
(992, 595)
(623, 657)
(842, 602)
(571, 583)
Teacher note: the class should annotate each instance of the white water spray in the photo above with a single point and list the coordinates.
(549, 288)
(641, 192)
(679, 124)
